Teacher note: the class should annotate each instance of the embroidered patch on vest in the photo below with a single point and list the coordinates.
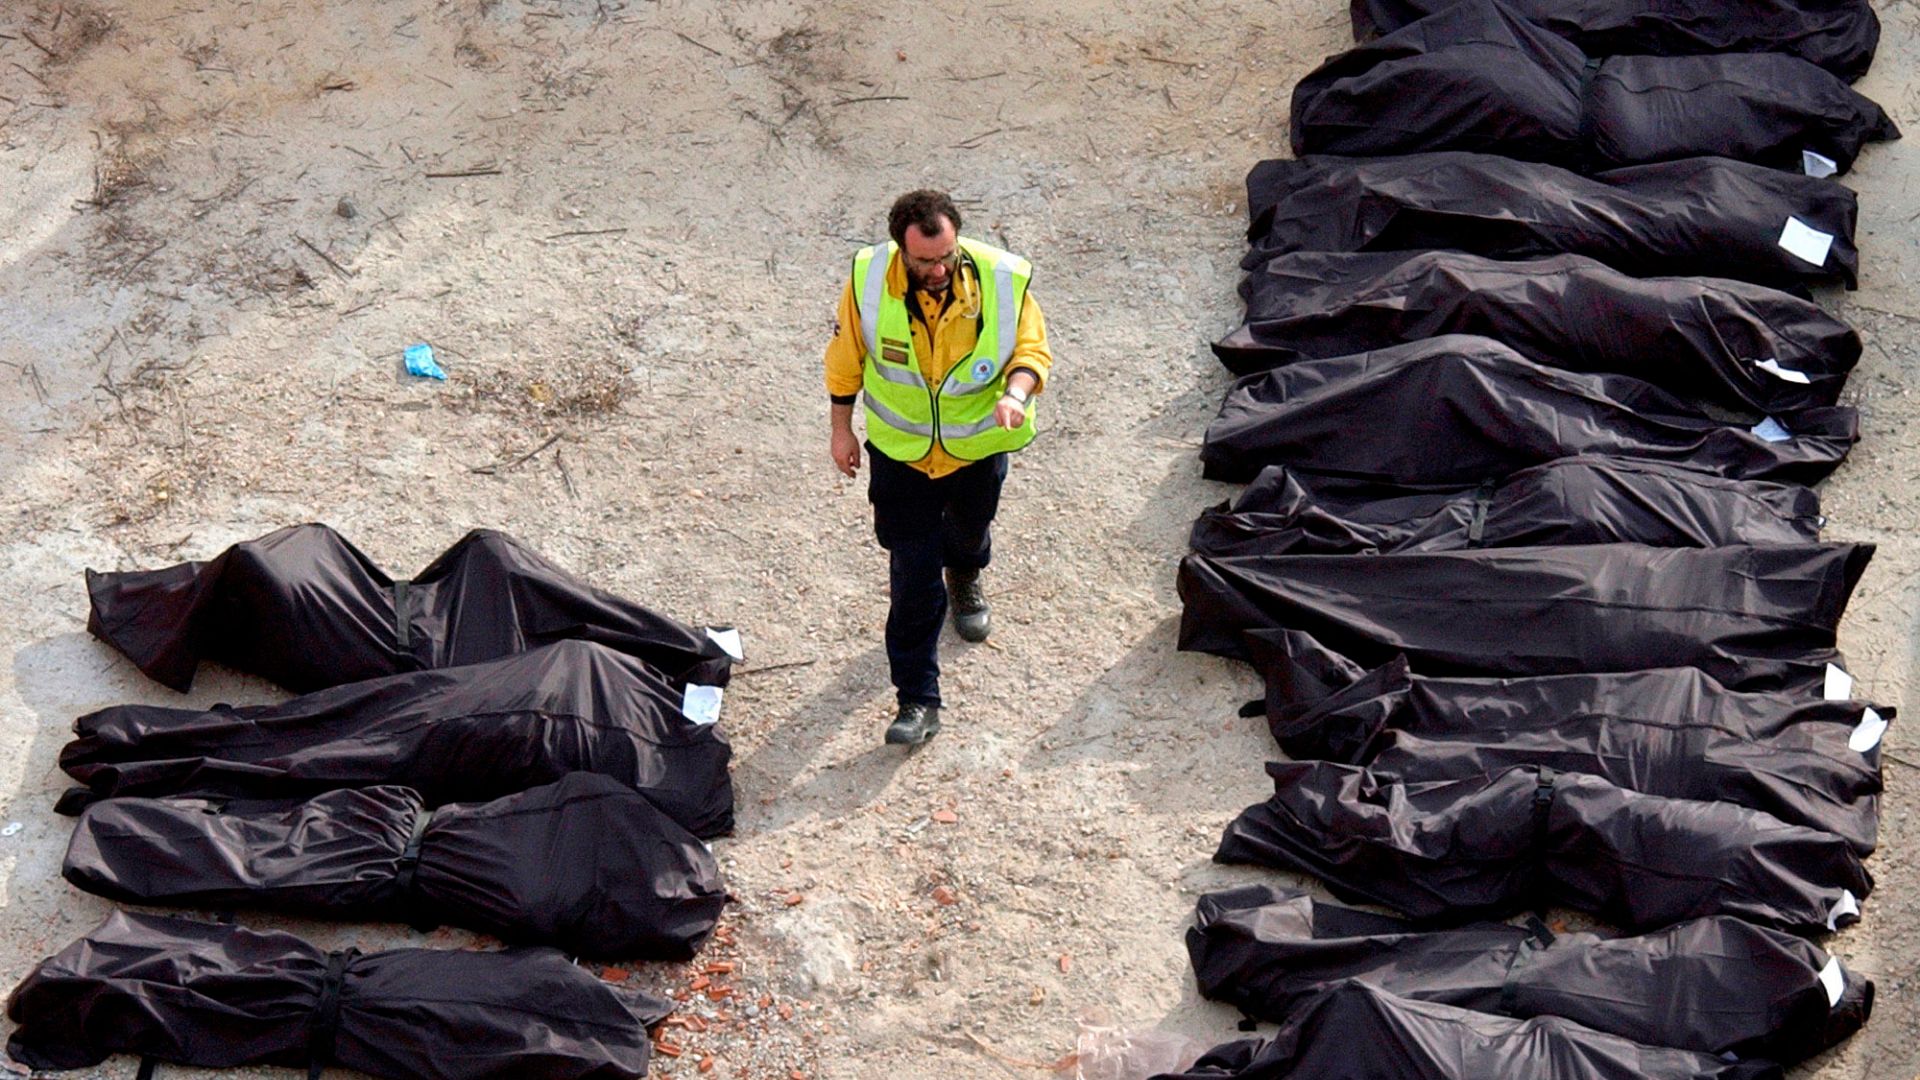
(983, 370)
(893, 356)
(895, 342)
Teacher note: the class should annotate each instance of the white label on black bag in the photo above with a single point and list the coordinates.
(1805, 242)
(1772, 430)
(1834, 980)
(729, 642)
(1784, 374)
(1839, 684)
(1817, 164)
(1866, 735)
(1848, 904)
(701, 704)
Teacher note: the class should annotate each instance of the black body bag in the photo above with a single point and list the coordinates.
(585, 864)
(1447, 852)
(1712, 341)
(302, 607)
(457, 734)
(1460, 410)
(1357, 1032)
(194, 993)
(1575, 500)
(1478, 77)
(1716, 985)
(1754, 618)
(1706, 217)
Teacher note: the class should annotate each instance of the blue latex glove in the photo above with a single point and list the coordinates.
(420, 362)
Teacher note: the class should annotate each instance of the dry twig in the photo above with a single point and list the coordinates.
(494, 470)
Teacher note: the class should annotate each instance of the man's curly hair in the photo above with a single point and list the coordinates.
(924, 208)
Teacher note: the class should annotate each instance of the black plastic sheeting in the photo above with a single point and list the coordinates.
(1753, 617)
(1710, 217)
(585, 864)
(457, 734)
(306, 609)
(1487, 847)
(1701, 339)
(1461, 410)
(1716, 985)
(1574, 500)
(1424, 729)
(1357, 1032)
(193, 993)
(1838, 35)
(1478, 77)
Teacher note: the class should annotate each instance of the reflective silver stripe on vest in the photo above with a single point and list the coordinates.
(871, 296)
(893, 373)
(967, 431)
(1009, 328)
(894, 420)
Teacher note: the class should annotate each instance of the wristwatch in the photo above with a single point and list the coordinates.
(1019, 397)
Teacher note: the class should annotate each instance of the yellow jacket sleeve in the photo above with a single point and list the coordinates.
(846, 350)
(1030, 344)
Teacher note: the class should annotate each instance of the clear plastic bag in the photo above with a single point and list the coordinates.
(1108, 1051)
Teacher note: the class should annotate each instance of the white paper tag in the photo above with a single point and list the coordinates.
(1772, 430)
(1785, 374)
(701, 704)
(1867, 734)
(1847, 905)
(729, 642)
(1817, 164)
(1839, 684)
(1834, 980)
(1803, 241)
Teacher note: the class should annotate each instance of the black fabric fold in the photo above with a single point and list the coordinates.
(306, 609)
(1730, 343)
(1354, 1031)
(1478, 77)
(1714, 985)
(1446, 852)
(1838, 35)
(1709, 217)
(454, 735)
(1457, 409)
(584, 864)
(1584, 499)
(215, 996)
(1754, 618)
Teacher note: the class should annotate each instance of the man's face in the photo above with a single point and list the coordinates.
(932, 257)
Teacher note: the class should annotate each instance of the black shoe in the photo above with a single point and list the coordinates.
(916, 724)
(968, 602)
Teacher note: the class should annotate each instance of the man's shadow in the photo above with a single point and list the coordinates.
(800, 768)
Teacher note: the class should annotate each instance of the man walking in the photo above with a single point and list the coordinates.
(940, 340)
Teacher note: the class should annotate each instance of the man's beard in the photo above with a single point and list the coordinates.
(927, 287)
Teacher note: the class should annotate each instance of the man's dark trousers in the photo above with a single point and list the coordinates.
(928, 525)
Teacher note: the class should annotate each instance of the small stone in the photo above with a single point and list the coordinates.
(346, 209)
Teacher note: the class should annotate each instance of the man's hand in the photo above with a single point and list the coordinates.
(844, 446)
(1010, 411)
(846, 451)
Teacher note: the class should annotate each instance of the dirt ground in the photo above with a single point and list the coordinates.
(221, 223)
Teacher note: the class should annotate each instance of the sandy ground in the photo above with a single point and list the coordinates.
(219, 227)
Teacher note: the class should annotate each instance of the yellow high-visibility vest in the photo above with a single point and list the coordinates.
(906, 417)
